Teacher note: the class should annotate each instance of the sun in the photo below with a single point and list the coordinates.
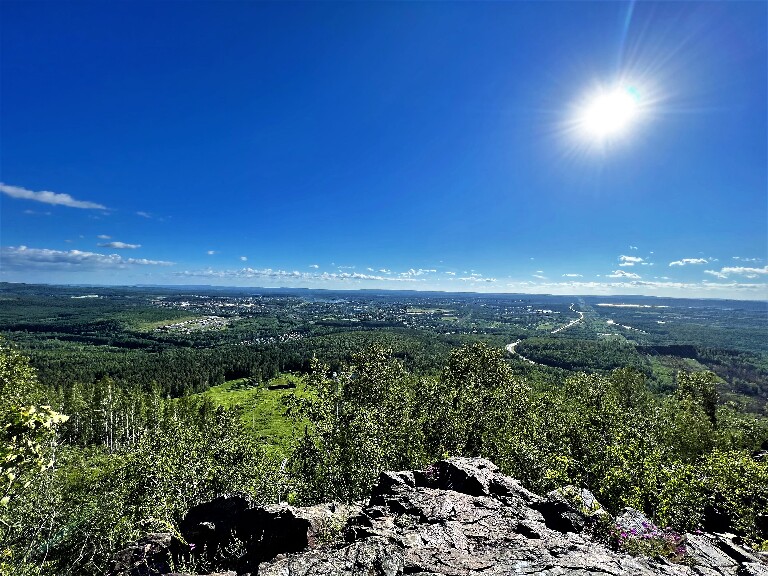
(609, 113)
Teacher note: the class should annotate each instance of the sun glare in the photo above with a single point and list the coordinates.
(609, 113)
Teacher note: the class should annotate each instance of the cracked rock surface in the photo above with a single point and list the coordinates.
(461, 517)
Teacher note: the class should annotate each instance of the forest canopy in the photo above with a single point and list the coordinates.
(126, 462)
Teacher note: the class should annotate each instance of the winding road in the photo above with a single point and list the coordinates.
(573, 323)
(511, 347)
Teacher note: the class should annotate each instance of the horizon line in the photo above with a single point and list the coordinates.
(229, 287)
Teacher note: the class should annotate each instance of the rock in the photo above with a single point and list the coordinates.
(571, 509)
(504, 486)
(272, 530)
(150, 556)
(471, 476)
(561, 516)
(461, 530)
(227, 573)
(230, 533)
(723, 554)
(634, 521)
(208, 527)
(732, 545)
(580, 498)
(752, 569)
(373, 556)
(459, 517)
(254, 534)
(707, 556)
(389, 482)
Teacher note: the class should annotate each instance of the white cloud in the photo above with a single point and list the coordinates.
(739, 271)
(48, 197)
(539, 276)
(23, 258)
(623, 274)
(269, 273)
(629, 260)
(385, 271)
(451, 273)
(572, 275)
(740, 259)
(673, 289)
(103, 237)
(539, 271)
(211, 252)
(143, 214)
(244, 258)
(419, 272)
(315, 266)
(633, 247)
(476, 278)
(369, 269)
(119, 245)
(686, 261)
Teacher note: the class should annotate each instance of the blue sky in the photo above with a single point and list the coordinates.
(386, 145)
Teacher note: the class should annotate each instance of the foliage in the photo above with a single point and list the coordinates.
(27, 432)
(573, 354)
(608, 434)
(96, 500)
(362, 422)
(382, 383)
(682, 496)
(651, 541)
(737, 485)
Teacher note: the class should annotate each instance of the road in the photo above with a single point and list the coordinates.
(573, 323)
(511, 349)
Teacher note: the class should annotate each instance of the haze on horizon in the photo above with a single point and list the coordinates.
(556, 147)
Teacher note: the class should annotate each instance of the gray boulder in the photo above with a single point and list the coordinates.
(459, 517)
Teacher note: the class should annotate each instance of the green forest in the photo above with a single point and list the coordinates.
(114, 424)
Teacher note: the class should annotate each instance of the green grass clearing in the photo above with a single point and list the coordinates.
(262, 405)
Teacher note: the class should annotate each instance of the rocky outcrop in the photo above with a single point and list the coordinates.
(458, 517)
(149, 556)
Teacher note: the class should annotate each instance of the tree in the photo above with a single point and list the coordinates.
(698, 389)
(27, 439)
(26, 430)
(360, 422)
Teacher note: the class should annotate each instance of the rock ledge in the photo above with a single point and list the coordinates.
(458, 517)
